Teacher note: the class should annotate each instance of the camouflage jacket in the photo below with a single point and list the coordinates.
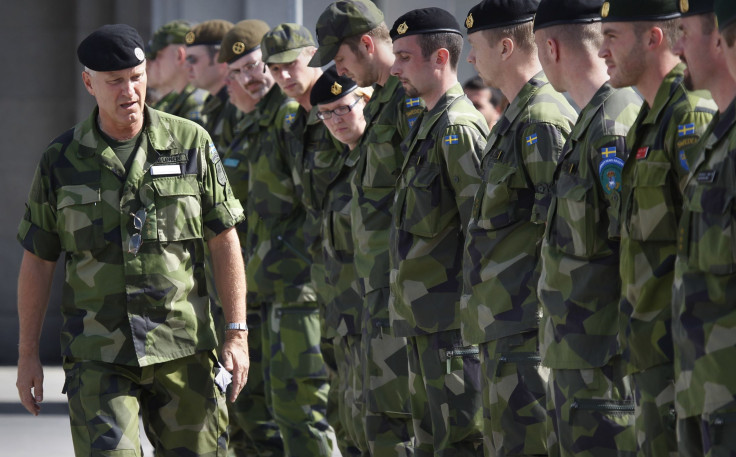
(501, 261)
(579, 289)
(277, 267)
(122, 307)
(187, 104)
(344, 302)
(236, 166)
(705, 275)
(432, 205)
(389, 116)
(220, 118)
(653, 178)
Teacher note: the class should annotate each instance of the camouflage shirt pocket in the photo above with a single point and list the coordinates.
(383, 160)
(178, 208)
(79, 221)
(573, 221)
(653, 216)
(713, 235)
(423, 214)
(496, 202)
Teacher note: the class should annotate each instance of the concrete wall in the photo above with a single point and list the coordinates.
(42, 96)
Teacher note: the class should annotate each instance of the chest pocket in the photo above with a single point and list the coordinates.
(79, 220)
(652, 212)
(712, 233)
(178, 208)
(426, 211)
(497, 204)
(573, 219)
(383, 160)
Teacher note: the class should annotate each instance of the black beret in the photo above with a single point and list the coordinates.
(491, 14)
(112, 47)
(424, 20)
(208, 32)
(559, 12)
(693, 7)
(330, 87)
(725, 13)
(242, 39)
(639, 10)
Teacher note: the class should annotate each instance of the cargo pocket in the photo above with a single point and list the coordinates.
(712, 234)
(79, 219)
(573, 226)
(497, 205)
(423, 213)
(586, 411)
(299, 355)
(652, 211)
(178, 208)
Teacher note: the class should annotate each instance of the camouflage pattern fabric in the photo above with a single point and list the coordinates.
(434, 191)
(653, 179)
(220, 117)
(82, 201)
(719, 433)
(187, 104)
(444, 386)
(505, 233)
(174, 398)
(704, 274)
(235, 161)
(350, 392)
(579, 289)
(655, 418)
(590, 412)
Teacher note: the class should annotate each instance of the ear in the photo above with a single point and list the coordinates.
(554, 49)
(367, 42)
(507, 48)
(181, 55)
(655, 37)
(87, 79)
(443, 57)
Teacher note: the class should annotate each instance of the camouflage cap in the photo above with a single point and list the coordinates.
(725, 13)
(693, 7)
(242, 39)
(285, 42)
(208, 32)
(639, 10)
(560, 12)
(330, 87)
(340, 20)
(423, 21)
(170, 33)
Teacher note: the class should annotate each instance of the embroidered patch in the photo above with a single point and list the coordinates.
(641, 153)
(609, 170)
(707, 176)
(451, 139)
(413, 102)
(412, 121)
(683, 161)
(531, 139)
(231, 162)
(289, 119)
(686, 129)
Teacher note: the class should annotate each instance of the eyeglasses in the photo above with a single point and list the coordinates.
(192, 60)
(251, 67)
(339, 111)
(139, 218)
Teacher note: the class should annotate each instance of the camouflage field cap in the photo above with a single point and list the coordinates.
(340, 20)
(242, 39)
(423, 21)
(208, 32)
(639, 10)
(330, 87)
(172, 32)
(560, 12)
(694, 7)
(491, 14)
(285, 42)
(725, 13)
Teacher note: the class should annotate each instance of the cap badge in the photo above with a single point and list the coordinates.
(469, 21)
(238, 47)
(139, 53)
(189, 38)
(605, 9)
(684, 6)
(402, 28)
(336, 89)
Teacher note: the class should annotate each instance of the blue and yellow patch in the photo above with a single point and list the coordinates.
(531, 139)
(609, 170)
(686, 129)
(451, 139)
(608, 152)
(683, 161)
(231, 162)
(289, 119)
(413, 102)
(412, 120)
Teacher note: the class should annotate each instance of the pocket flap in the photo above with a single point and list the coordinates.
(172, 187)
(77, 195)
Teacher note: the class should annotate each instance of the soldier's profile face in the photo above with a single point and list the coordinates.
(485, 58)
(696, 50)
(349, 127)
(354, 65)
(248, 72)
(294, 77)
(203, 72)
(623, 53)
(120, 96)
(410, 66)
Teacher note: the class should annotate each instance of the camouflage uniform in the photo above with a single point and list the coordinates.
(587, 394)
(500, 310)
(253, 430)
(432, 206)
(389, 116)
(220, 118)
(278, 272)
(704, 273)
(653, 178)
(82, 202)
(187, 104)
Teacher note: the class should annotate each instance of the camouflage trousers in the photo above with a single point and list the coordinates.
(514, 396)
(174, 399)
(444, 390)
(655, 417)
(296, 377)
(350, 395)
(710, 435)
(253, 431)
(388, 425)
(590, 412)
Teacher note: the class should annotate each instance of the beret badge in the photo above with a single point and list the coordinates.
(469, 21)
(605, 9)
(336, 88)
(401, 29)
(684, 6)
(189, 38)
(238, 47)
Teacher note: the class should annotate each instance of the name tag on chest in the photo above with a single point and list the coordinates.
(165, 170)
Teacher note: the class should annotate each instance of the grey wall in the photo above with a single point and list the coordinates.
(41, 96)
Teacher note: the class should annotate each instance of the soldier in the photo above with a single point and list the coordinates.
(208, 72)
(130, 195)
(354, 34)
(638, 36)
(501, 264)
(340, 104)
(587, 394)
(434, 192)
(253, 430)
(166, 66)
(297, 374)
(703, 296)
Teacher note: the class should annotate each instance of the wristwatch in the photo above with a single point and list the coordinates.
(236, 326)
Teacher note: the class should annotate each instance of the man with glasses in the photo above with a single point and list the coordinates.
(131, 196)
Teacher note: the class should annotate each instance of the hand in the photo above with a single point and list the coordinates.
(30, 383)
(235, 359)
